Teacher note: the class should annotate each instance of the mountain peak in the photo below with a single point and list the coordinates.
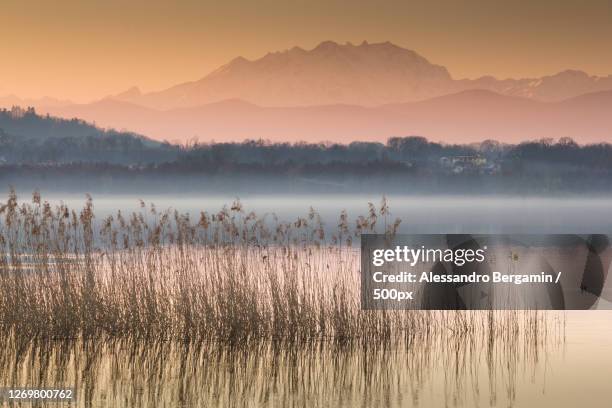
(327, 45)
(572, 73)
(133, 92)
(364, 46)
(239, 60)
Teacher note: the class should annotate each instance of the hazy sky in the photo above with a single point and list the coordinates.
(85, 49)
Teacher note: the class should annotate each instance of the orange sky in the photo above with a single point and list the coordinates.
(84, 50)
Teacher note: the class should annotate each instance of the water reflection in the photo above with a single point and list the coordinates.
(452, 368)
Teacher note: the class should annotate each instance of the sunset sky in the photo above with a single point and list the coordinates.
(83, 50)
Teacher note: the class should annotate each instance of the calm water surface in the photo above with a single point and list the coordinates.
(567, 366)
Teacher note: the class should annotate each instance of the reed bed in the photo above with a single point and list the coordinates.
(230, 277)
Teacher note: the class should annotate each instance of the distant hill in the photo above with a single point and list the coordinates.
(466, 116)
(365, 75)
(26, 137)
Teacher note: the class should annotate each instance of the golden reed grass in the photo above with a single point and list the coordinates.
(231, 276)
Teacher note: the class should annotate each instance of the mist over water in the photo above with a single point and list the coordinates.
(420, 214)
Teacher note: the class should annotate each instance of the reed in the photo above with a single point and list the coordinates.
(230, 276)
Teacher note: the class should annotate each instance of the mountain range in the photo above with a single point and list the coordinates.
(345, 92)
(365, 75)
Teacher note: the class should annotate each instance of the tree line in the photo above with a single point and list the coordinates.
(32, 139)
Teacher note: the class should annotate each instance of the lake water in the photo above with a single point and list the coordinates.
(567, 366)
(570, 367)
